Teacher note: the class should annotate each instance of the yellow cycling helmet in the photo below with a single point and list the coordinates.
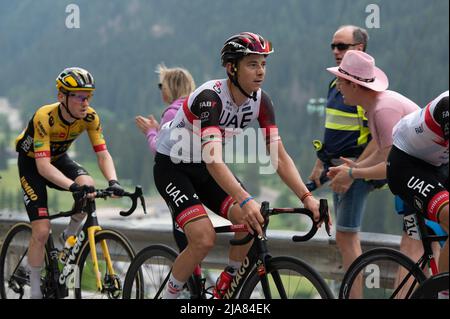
(75, 79)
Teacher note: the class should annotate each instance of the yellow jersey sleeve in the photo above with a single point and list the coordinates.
(95, 131)
(41, 135)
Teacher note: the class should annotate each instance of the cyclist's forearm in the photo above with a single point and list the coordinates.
(106, 165)
(223, 176)
(288, 172)
(52, 174)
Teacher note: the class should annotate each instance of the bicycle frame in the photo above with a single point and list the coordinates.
(418, 227)
(258, 255)
(90, 228)
(87, 233)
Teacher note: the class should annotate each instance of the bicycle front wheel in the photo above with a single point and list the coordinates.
(121, 254)
(154, 263)
(433, 288)
(14, 273)
(288, 278)
(381, 273)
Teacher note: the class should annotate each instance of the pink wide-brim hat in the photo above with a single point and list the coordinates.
(359, 67)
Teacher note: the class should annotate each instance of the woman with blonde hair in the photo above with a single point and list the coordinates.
(175, 84)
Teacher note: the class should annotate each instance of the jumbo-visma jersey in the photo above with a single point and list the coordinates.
(210, 115)
(49, 135)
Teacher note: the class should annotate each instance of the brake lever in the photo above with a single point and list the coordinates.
(325, 215)
(143, 204)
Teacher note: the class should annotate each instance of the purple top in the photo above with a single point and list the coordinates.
(168, 115)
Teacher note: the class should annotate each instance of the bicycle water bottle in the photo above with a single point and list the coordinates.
(70, 242)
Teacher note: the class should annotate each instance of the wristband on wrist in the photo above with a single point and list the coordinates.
(245, 201)
(350, 173)
(307, 194)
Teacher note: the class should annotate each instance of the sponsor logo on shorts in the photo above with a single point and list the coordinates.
(42, 212)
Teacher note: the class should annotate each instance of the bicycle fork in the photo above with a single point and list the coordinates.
(92, 230)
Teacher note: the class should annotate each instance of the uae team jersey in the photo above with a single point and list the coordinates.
(49, 135)
(210, 115)
(418, 134)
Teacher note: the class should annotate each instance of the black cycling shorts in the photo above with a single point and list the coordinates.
(421, 185)
(34, 185)
(186, 187)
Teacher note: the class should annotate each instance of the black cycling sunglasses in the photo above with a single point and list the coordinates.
(160, 86)
(342, 46)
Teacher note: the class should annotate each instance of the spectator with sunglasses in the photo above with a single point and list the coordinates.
(43, 160)
(347, 135)
(175, 85)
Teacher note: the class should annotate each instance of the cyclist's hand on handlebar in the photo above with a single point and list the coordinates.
(253, 217)
(80, 191)
(313, 204)
(115, 188)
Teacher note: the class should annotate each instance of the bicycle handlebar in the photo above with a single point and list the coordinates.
(103, 193)
(134, 197)
(266, 212)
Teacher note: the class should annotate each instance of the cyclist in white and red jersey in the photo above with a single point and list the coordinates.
(189, 171)
(417, 166)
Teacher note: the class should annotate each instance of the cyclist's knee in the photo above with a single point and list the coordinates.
(201, 236)
(40, 231)
(85, 180)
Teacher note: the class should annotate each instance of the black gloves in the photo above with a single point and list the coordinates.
(115, 188)
(79, 191)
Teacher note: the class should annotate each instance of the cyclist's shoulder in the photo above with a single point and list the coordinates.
(212, 87)
(209, 94)
(46, 114)
(47, 110)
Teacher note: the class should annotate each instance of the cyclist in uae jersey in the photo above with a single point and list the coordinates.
(417, 166)
(189, 171)
(43, 159)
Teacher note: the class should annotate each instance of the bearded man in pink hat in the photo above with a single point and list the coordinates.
(362, 83)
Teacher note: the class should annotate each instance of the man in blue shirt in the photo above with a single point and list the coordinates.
(346, 134)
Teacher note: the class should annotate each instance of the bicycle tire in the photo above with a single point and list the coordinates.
(304, 281)
(376, 258)
(154, 263)
(85, 287)
(431, 287)
(19, 232)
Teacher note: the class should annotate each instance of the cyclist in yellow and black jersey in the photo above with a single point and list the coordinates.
(48, 134)
(43, 160)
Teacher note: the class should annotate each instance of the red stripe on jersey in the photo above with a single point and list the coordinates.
(189, 115)
(99, 148)
(190, 214)
(42, 154)
(431, 123)
(436, 203)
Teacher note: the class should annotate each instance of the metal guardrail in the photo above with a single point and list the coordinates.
(320, 252)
